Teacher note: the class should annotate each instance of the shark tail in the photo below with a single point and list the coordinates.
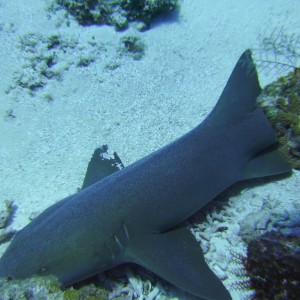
(237, 106)
(239, 95)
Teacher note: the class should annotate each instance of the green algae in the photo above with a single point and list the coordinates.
(48, 287)
(132, 46)
(89, 292)
(34, 288)
(6, 214)
(281, 102)
(118, 13)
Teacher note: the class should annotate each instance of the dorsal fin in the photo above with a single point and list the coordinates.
(239, 95)
(101, 165)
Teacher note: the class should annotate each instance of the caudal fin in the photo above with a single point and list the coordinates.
(239, 95)
(237, 109)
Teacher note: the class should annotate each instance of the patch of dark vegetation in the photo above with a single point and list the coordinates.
(280, 101)
(273, 265)
(132, 46)
(118, 13)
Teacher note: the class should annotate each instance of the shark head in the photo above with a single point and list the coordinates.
(32, 253)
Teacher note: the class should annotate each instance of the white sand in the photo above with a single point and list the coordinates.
(135, 109)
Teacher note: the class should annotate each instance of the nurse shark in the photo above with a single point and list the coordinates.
(134, 214)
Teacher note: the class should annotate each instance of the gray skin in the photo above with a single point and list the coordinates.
(132, 214)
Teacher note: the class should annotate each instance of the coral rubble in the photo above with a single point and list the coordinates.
(37, 288)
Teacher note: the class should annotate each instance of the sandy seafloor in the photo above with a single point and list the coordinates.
(135, 108)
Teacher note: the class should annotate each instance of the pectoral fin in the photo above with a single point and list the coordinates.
(177, 257)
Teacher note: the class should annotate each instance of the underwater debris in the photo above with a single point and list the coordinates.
(269, 218)
(273, 265)
(280, 101)
(85, 61)
(5, 216)
(132, 46)
(90, 292)
(289, 226)
(256, 223)
(41, 62)
(9, 115)
(48, 287)
(118, 12)
(34, 288)
(46, 58)
(133, 282)
(116, 284)
(6, 235)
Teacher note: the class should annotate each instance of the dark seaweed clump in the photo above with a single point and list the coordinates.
(40, 287)
(273, 265)
(117, 12)
(132, 46)
(281, 102)
(6, 216)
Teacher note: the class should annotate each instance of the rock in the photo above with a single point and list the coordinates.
(117, 13)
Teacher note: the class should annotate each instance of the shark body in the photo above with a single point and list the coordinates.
(131, 215)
